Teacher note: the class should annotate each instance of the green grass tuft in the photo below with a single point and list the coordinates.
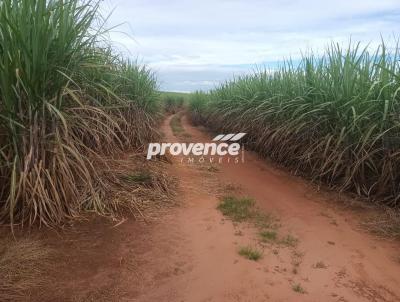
(177, 128)
(238, 209)
(268, 236)
(250, 253)
(289, 240)
(298, 288)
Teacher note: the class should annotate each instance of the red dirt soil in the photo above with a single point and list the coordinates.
(191, 252)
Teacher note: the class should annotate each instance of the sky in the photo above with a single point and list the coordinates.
(195, 45)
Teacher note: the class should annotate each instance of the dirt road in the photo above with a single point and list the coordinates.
(194, 250)
(190, 253)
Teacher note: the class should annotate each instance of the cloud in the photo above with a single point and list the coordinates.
(208, 41)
